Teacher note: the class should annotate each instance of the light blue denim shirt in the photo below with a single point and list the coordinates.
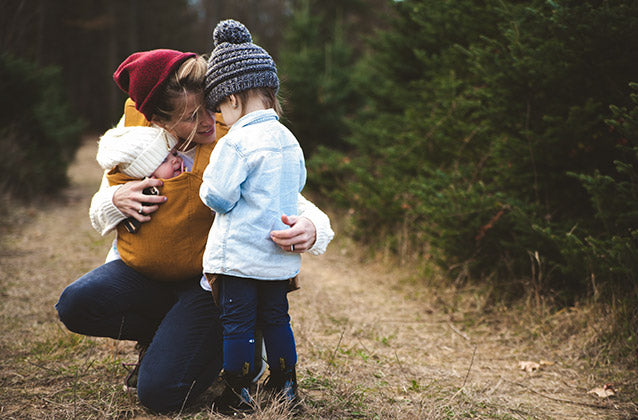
(255, 175)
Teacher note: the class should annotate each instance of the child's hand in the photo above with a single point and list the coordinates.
(299, 238)
(129, 198)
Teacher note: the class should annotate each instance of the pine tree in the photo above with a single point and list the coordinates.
(476, 114)
(315, 67)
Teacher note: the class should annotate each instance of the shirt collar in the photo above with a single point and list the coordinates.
(256, 117)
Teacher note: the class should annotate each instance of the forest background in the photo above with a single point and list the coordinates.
(494, 141)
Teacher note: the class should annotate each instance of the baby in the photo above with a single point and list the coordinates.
(139, 152)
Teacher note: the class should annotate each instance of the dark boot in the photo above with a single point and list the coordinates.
(283, 383)
(130, 383)
(236, 396)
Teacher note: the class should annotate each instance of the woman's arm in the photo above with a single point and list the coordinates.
(103, 213)
(112, 204)
(310, 231)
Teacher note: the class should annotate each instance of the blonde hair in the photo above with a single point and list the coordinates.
(266, 95)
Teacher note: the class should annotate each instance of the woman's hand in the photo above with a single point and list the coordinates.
(129, 198)
(299, 238)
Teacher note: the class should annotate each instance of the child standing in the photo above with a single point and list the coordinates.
(254, 176)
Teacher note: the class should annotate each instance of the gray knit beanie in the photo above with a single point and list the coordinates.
(236, 64)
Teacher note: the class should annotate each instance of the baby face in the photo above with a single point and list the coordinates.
(171, 167)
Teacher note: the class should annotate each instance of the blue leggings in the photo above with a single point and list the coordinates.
(247, 304)
(180, 320)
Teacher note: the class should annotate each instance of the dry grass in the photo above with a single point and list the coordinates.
(373, 340)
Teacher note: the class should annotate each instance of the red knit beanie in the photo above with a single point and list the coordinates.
(142, 75)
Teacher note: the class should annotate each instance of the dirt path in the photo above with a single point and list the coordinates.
(372, 342)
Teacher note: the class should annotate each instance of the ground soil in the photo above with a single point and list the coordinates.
(374, 340)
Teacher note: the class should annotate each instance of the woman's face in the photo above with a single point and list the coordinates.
(192, 119)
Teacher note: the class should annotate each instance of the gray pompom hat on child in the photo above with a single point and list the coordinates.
(236, 64)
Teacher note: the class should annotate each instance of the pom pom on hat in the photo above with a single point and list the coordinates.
(136, 151)
(143, 74)
(231, 31)
(236, 64)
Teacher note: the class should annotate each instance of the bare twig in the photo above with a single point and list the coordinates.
(75, 386)
(456, 330)
(334, 354)
(469, 367)
(42, 367)
(467, 374)
(364, 346)
(398, 361)
(186, 398)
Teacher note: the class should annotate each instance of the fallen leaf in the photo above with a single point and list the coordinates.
(605, 391)
(528, 366)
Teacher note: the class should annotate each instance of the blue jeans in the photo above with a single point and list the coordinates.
(247, 304)
(180, 320)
